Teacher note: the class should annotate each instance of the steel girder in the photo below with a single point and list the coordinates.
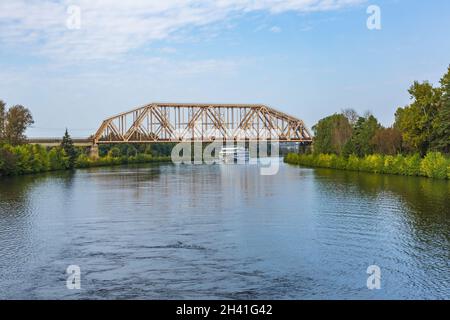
(181, 122)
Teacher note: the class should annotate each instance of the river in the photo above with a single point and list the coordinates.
(163, 231)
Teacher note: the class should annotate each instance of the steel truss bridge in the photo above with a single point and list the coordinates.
(181, 122)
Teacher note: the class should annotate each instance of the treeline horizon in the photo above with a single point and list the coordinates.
(17, 157)
(420, 127)
(417, 144)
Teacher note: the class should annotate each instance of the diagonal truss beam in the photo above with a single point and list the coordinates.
(172, 122)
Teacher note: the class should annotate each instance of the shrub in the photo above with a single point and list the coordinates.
(389, 164)
(353, 162)
(82, 161)
(25, 159)
(114, 152)
(324, 160)
(412, 165)
(8, 161)
(39, 159)
(398, 165)
(373, 163)
(341, 163)
(58, 160)
(434, 165)
(292, 158)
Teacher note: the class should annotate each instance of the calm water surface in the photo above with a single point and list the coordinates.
(220, 232)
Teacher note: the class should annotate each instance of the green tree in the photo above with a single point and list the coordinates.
(441, 123)
(331, 134)
(18, 119)
(8, 160)
(114, 152)
(363, 133)
(416, 120)
(131, 151)
(69, 149)
(58, 159)
(2, 120)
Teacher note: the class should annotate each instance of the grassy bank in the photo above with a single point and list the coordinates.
(28, 159)
(433, 165)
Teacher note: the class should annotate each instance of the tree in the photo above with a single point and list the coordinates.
(416, 120)
(387, 141)
(2, 119)
(69, 149)
(363, 132)
(58, 159)
(114, 152)
(131, 151)
(351, 115)
(440, 140)
(18, 119)
(331, 134)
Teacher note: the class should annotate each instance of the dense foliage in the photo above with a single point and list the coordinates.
(155, 149)
(425, 123)
(415, 146)
(434, 165)
(420, 127)
(331, 134)
(13, 123)
(25, 159)
(18, 158)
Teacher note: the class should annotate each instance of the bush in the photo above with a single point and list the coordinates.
(114, 152)
(389, 166)
(325, 161)
(8, 161)
(341, 163)
(291, 158)
(398, 165)
(24, 159)
(353, 163)
(412, 165)
(82, 161)
(372, 163)
(58, 159)
(434, 165)
(39, 159)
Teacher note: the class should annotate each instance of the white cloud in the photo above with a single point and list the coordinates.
(275, 29)
(112, 28)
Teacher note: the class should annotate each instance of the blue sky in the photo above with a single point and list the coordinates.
(309, 58)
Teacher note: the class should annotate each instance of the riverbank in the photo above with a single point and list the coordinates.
(29, 159)
(433, 165)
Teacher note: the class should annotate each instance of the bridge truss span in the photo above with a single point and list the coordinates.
(171, 122)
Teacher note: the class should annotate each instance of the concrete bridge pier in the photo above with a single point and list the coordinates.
(93, 151)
